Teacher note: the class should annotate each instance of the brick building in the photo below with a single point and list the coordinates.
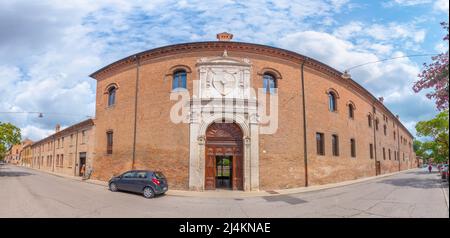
(15, 154)
(25, 153)
(326, 129)
(67, 150)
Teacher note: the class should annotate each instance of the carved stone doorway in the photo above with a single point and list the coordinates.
(223, 155)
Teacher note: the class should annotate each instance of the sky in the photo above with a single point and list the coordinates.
(49, 48)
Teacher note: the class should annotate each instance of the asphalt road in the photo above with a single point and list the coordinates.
(29, 193)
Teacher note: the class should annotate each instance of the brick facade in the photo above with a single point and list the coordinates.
(162, 145)
(61, 151)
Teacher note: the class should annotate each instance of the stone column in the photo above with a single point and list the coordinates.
(254, 156)
(195, 158)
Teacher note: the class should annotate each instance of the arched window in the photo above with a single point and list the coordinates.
(332, 101)
(351, 110)
(179, 79)
(376, 124)
(111, 96)
(369, 119)
(269, 83)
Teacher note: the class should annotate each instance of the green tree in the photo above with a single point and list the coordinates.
(437, 130)
(9, 135)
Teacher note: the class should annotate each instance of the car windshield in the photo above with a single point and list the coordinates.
(159, 175)
(129, 174)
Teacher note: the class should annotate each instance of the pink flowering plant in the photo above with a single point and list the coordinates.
(435, 75)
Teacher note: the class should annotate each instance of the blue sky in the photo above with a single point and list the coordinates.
(48, 48)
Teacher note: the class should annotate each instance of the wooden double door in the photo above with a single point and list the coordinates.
(223, 155)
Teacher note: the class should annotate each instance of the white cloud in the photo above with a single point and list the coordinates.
(35, 133)
(441, 47)
(438, 5)
(410, 2)
(441, 5)
(392, 79)
(54, 45)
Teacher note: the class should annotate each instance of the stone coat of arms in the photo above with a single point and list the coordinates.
(224, 82)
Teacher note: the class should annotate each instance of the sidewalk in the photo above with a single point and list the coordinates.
(241, 194)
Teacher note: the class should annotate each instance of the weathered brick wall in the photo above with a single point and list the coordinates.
(120, 119)
(67, 149)
(163, 145)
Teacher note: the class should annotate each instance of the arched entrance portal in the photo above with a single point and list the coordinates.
(223, 155)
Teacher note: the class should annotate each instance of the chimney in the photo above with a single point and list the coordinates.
(381, 99)
(57, 127)
(224, 36)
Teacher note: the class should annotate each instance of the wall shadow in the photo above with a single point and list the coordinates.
(284, 198)
(424, 183)
(13, 174)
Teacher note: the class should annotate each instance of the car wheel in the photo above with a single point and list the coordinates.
(113, 187)
(148, 192)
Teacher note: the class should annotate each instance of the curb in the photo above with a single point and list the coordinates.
(242, 194)
(445, 194)
(235, 194)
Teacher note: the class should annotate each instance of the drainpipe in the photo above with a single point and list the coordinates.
(76, 161)
(375, 137)
(398, 148)
(305, 150)
(53, 158)
(135, 110)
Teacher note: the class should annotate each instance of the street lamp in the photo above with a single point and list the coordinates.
(347, 75)
(40, 114)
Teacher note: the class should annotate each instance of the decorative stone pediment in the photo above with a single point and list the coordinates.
(224, 77)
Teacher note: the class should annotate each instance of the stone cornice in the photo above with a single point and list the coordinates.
(83, 124)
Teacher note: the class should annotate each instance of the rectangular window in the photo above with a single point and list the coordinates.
(70, 161)
(62, 142)
(61, 161)
(371, 151)
(58, 144)
(109, 142)
(395, 155)
(353, 148)
(57, 160)
(385, 129)
(389, 152)
(320, 144)
(384, 154)
(335, 145)
(71, 139)
(83, 136)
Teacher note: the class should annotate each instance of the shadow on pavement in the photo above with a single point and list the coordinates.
(13, 174)
(285, 198)
(415, 182)
(140, 194)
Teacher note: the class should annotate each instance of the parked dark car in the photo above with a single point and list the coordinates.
(148, 183)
